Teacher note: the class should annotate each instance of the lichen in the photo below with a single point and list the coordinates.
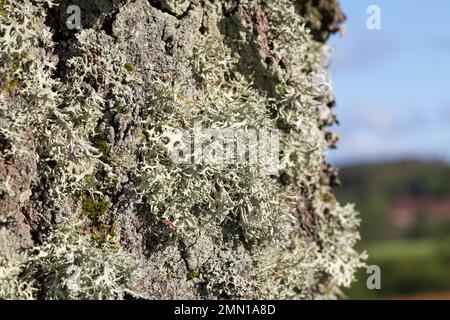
(101, 127)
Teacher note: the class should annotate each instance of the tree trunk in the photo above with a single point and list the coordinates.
(92, 117)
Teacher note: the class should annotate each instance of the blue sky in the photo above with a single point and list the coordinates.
(393, 85)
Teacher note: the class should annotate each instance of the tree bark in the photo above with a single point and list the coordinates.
(83, 113)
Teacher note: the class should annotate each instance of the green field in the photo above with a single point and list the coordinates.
(407, 267)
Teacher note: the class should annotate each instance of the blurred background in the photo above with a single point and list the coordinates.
(393, 92)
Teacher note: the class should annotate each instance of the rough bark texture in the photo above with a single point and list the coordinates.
(83, 165)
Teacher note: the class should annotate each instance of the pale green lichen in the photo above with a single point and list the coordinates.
(68, 265)
(12, 286)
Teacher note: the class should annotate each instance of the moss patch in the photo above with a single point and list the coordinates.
(94, 209)
(103, 146)
(129, 67)
(193, 274)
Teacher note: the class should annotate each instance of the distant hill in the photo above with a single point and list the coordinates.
(398, 199)
(405, 211)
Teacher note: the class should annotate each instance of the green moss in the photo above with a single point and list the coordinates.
(121, 109)
(12, 82)
(280, 88)
(103, 146)
(94, 209)
(129, 67)
(2, 5)
(328, 197)
(10, 85)
(88, 179)
(193, 274)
